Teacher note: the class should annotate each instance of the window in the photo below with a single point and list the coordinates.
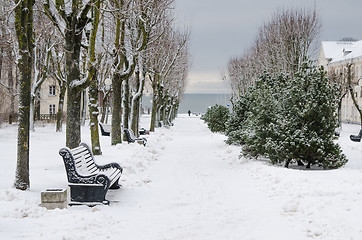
(52, 90)
(52, 109)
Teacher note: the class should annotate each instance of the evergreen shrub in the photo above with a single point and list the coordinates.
(216, 117)
(290, 119)
(235, 123)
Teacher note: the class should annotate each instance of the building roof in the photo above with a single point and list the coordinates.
(333, 48)
(348, 53)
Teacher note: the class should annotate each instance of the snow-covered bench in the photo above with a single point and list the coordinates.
(105, 129)
(356, 138)
(144, 131)
(131, 138)
(88, 182)
(169, 123)
(162, 124)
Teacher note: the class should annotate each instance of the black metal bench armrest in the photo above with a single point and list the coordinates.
(104, 180)
(111, 165)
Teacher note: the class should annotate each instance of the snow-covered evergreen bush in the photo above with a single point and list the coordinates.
(216, 117)
(293, 120)
(235, 123)
(260, 127)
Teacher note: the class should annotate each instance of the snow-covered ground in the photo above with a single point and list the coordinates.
(185, 184)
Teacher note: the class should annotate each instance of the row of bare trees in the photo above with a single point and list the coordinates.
(84, 46)
(281, 45)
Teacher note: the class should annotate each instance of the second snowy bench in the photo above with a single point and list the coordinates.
(131, 138)
(356, 138)
(105, 129)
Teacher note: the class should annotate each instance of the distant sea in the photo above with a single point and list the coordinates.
(197, 103)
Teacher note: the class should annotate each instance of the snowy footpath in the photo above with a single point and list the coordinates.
(185, 184)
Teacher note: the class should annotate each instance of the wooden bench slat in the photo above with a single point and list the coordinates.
(88, 161)
(116, 177)
(79, 149)
(111, 172)
(82, 154)
(83, 158)
(87, 165)
(91, 165)
(115, 174)
(94, 170)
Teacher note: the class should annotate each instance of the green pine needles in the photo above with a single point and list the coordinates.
(216, 117)
(289, 119)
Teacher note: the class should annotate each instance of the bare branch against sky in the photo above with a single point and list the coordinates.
(224, 29)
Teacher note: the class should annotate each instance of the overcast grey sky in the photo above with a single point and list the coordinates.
(221, 29)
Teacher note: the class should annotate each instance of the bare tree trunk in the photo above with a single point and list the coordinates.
(136, 101)
(155, 102)
(24, 32)
(109, 105)
(73, 137)
(93, 88)
(1, 58)
(153, 115)
(116, 134)
(37, 107)
(134, 117)
(154, 109)
(83, 107)
(116, 110)
(126, 108)
(74, 93)
(11, 88)
(339, 110)
(350, 88)
(31, 112)
(93, 112)
(62, 89)
(104, 107)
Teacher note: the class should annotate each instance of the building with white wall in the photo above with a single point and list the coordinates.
(335, 56)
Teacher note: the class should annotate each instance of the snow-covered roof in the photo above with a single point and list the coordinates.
(334, 48)
(349, 52)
